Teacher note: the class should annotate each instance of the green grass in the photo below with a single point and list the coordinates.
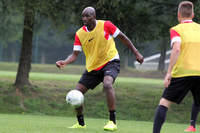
(136, 98)
(79, 69)
(45, 68)
(73, 77)
(52, 124)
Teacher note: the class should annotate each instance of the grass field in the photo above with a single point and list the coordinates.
(73, 77)
(137, 99)
(79, 69)
(53, 124)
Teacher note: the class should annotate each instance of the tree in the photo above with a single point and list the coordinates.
(163, 48)
(22, 78)
(164, 13)
(53, 10)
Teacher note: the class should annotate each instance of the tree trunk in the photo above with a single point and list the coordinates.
(22, 78)
(161, 65)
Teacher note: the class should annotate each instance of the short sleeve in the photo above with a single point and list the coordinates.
(77, 44)
(174, 36)
(111, 29)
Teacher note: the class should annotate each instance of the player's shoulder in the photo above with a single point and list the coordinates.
(178, 28)
(105, 21)
(83, 28)
(196, 24)
(175, 27)
(80, 28)
(108, 23)
(182, 25)
(101, 20)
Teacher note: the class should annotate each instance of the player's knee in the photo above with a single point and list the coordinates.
(165, 102)
(81, 88)
(107, 86)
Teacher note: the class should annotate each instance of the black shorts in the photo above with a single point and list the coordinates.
(91, 79)
(179, 87)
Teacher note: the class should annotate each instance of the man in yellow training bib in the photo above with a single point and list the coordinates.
(95, 39)
(183, 73)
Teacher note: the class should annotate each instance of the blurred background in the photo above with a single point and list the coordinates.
(145, 22)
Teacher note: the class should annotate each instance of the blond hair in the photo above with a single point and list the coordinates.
(186, 9)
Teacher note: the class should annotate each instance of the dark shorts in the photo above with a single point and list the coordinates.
(179, 87)
(91, 79)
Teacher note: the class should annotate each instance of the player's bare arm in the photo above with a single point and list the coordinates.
(71, 58)
(129, 44)
(173, 58)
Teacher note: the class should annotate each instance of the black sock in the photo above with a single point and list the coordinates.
(113, 116)
(194, 114)
(81, 120)
(159, 118)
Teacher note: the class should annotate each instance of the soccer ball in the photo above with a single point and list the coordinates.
(75, 98)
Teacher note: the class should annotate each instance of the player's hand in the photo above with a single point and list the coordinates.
(60, 64)
(139, 58)
(167, 80)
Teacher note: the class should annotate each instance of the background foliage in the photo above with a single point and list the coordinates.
(56, 22)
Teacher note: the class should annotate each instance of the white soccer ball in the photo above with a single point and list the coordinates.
(75, 98)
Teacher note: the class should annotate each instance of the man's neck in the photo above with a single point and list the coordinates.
(187, 21)
(182, 20)
(92, 26)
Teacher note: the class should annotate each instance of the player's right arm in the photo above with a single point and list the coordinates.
(173, 58)
(176, 48)
(71, 58)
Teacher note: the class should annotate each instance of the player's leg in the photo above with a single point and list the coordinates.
(194, 114)
(110, 96)
(175, 92)
(79, 110)
(89, 80)
(111, 71)
(160, 114)
(196, 105)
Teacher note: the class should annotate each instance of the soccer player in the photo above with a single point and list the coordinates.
(194, 114)
(95, 38)
(183, 73)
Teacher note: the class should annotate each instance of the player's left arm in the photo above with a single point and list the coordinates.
(126, 41)
(116, 33)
